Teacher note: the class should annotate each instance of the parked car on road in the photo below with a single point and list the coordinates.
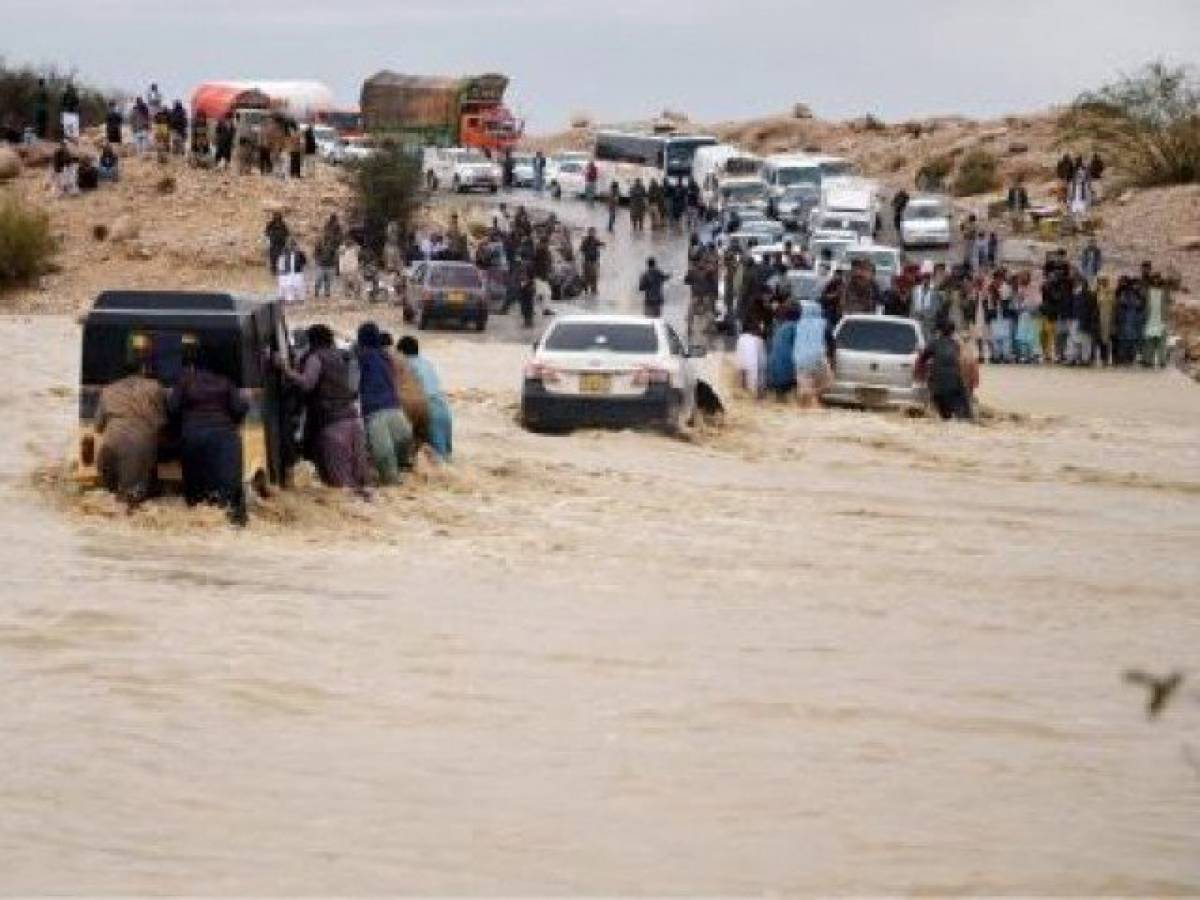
(926, 223)
(522, 169)
(569, 179)
(459, 169)
(440, 291)
(609, 370)
(875, 363)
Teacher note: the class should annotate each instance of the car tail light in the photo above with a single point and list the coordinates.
(541, 372)
(651, 375)
(87, 449)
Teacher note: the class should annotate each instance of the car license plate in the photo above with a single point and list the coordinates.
(595, 383)
(456, 298)
(872, 396)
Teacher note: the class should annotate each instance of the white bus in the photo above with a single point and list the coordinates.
(624, 156)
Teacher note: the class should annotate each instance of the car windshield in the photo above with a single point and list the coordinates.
(800, 175)
(838, 224)
(804, 285)
(462, 277)
(471, 156)
(881, 259)
(571, 167)
(925, 211)
(742, 165)
(615, 337)
(837, 167)
(877, 336)
(748, 191)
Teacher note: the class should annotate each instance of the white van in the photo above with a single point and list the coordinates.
(711, 165)
(789, 170)
(849, 208)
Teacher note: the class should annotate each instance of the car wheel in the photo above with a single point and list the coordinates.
(481, 322)
(556, 190)
(431, 181)
(261, 485)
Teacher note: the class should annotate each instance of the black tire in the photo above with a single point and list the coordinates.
(556, 190)
(493, 189)
(481, 323)
(431, 181)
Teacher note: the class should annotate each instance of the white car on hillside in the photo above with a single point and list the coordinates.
(609, 370)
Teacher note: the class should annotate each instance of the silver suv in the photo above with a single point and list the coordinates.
(875, 363)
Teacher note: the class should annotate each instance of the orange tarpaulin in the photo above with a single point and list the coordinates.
(217, 99)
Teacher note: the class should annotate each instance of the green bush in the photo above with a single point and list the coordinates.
(1147, 125)
(26, 243)
(976, 174)
(386, 188)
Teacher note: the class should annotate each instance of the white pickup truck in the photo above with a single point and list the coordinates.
(459, 169)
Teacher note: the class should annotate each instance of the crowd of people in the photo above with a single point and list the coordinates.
(275, 145)
(364, 413)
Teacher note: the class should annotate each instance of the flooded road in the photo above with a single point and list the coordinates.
(823, 652)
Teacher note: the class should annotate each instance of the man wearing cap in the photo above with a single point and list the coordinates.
(129, 416)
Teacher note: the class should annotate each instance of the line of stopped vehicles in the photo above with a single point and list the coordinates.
(625, 370)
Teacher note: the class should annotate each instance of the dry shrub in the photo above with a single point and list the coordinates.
(165, 185)
(1147, 124)
(977, 174)
(897, 163)
(932, 174)
(26, 243)
(100, 232)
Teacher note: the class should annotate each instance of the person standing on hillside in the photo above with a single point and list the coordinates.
(112, 125)
(179, 128)
(1091, 260)
(69, 112)
(651, 287)
(290, 269)
(41, 110)
(139, 124)
(277, 234)
(310, 150)
(589, 252)
(154, 100)
(224, 143)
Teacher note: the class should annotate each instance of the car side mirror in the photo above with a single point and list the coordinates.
(697, 351)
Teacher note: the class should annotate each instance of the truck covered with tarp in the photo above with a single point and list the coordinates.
(418, 111)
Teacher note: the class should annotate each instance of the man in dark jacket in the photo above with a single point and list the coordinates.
(941, 363)
(589, 252)
(41, 110)
(112, 125)
(651, 286)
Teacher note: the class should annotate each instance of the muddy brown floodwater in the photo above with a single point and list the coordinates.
(825, 652)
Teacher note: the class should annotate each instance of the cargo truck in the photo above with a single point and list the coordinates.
(418, 112)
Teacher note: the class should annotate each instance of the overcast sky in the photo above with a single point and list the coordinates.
(619, 59)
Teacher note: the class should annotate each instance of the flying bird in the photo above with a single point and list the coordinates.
(1161, 689)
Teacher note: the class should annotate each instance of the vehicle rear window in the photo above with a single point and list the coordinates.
(463, 277)
(872, 336)
(616, 337)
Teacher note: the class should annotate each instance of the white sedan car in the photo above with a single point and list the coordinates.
(609, 370)
(926, 223)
